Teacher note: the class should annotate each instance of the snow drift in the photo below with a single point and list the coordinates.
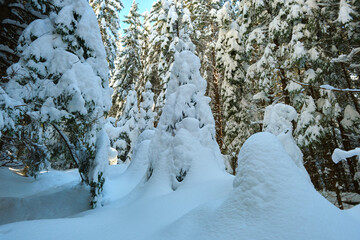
(272, 199)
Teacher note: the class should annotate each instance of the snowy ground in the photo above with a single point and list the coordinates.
(122, 218)
(270, 198)
(53, 194)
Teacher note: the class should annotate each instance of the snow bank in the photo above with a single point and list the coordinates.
(122, 185)
(53, 194)
(354, 212)
(126, 220)
(272, 199)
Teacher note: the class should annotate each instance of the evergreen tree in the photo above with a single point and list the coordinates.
(156, 21)
(290, 54)
(145, 60)
(147, 116)
(185, 136)
(61, 80)
(235, 99)
(171, 32)
(204, 37)
(107, 13)
(128, 70)
(128, 128)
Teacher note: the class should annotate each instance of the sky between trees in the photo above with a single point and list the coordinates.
(144, 5)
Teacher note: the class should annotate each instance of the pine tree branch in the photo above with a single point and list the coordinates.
(346, 58)
(327, 87)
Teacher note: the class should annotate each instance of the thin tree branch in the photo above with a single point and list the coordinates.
(327, 87)
(69, 146)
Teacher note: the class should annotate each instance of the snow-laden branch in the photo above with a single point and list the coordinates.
(346, 58)
(327, 87)
(339, 154)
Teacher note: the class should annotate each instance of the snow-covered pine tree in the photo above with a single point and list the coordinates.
(128, 127)
(156, 20)
(184, 142)
(282, 47)
(235, 103)
(291, 49)
(129, 67)
(311, 43)
(178, 28)
(204, 37)
(107, 13)
(171, 30)
(147, 115)
(62, 82)
(345, 36)
(145, 60)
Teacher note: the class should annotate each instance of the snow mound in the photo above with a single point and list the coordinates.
(272, 199)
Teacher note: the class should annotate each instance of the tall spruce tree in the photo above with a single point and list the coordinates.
(235, 103)
(145, 59)
(204, 36)
(171, 30)
(129, 67)
(152, 58)
(107, 13)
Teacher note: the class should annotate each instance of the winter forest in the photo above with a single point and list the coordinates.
(194, 120)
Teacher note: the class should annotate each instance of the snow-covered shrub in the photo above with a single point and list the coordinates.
(278, 118)
(62, 80)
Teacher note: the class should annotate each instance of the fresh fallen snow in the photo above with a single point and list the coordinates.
(129, 218)
(339, 154)
(354, 213)
(53, 194)
(270, 198)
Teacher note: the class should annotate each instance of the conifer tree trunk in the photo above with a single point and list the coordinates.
(217, 109)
